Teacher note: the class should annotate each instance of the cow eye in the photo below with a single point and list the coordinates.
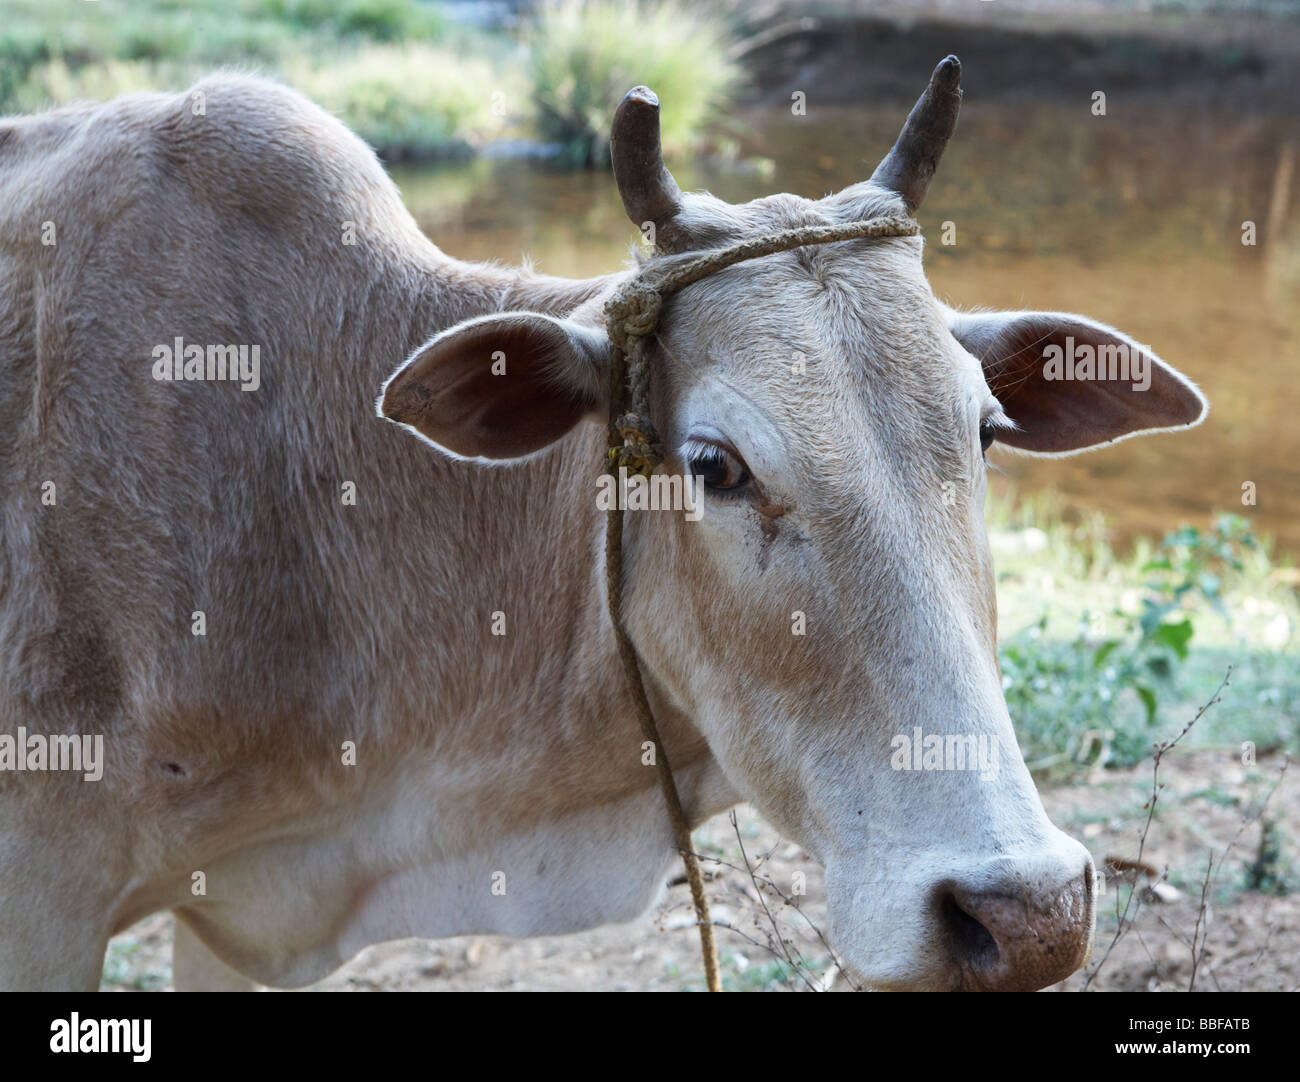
(722, 470)
(987, 434)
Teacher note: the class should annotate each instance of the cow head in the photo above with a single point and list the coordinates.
(829, 622)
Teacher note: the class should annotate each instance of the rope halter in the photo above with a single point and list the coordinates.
(632, 316)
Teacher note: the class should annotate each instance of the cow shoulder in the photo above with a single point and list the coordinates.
(262, 149)
(247, 148)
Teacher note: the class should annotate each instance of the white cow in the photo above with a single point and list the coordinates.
(278, 610)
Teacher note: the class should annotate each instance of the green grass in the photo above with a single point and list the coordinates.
(412, 100)
(399, 72)
(126, 967)
(739, 974)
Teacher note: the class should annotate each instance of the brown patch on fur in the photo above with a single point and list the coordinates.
(78, 672)
(769, 510)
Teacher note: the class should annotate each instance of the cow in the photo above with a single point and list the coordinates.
(352, 686)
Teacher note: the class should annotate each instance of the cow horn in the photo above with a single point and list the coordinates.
(911, 163)
(649, 192)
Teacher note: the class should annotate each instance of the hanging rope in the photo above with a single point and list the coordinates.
(631, 317)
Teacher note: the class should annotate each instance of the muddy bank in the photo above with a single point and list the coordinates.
(1025, 52)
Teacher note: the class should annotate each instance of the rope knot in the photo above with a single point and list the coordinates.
(641, 450)
(632, 312)
(631, 315)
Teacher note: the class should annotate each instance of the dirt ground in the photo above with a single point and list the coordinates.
(1209, 803)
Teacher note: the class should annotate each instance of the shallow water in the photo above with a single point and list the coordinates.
(1134, 219)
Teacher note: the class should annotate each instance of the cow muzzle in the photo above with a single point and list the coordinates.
(1018, 937)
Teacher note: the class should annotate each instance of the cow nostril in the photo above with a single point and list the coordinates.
(1018, 938)
(972, 943)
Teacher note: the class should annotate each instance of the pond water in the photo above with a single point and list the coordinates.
(1135, 220)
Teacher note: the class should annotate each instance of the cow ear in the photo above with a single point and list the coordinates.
(502, 386)
(1069, 382)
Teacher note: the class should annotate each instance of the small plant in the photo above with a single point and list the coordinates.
(583, 57)
(1193, 563)
(1071, 699)
(1267, 872)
